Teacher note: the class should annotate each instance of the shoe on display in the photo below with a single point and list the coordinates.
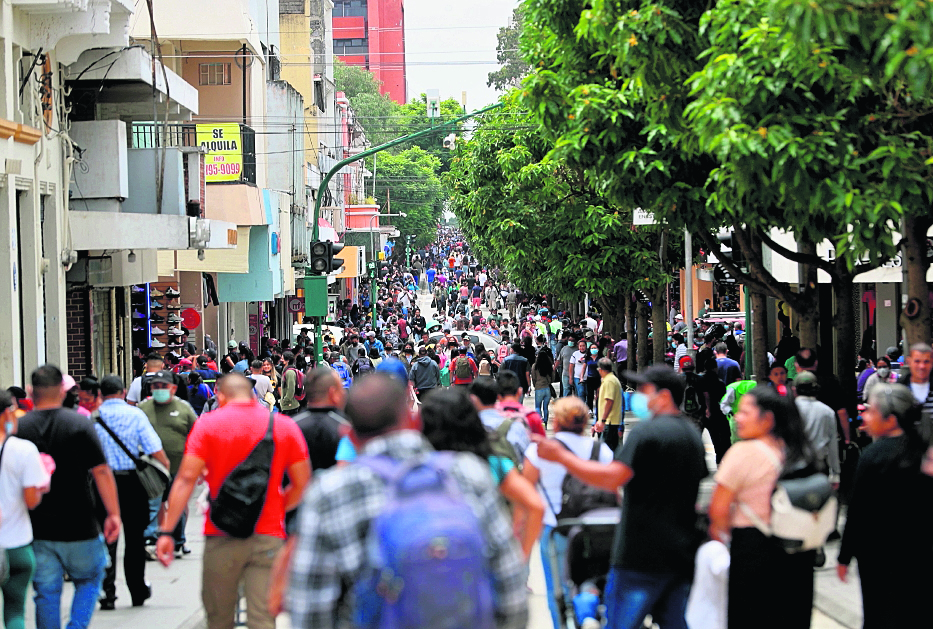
(139, 315)
(156, 293)
(156, 331)
(157, 318)
(174, 318)
(137, 289)
(173, 307)
(156, 344)
(175, 331)
(138, 328)
(171, 292)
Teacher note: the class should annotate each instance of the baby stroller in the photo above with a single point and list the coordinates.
(589, 545)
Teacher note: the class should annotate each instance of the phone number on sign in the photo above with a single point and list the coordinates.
(222, 169)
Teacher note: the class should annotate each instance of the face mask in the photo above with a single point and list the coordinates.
(884, 372)
(594, 352)
(8, 427)
(161, 396)
(640, 406)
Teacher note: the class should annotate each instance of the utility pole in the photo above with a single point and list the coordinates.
(318, 348)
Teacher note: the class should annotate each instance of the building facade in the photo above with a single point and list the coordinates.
(371, 33)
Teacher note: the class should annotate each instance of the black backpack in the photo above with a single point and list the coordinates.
(579, 497)
(241, 497)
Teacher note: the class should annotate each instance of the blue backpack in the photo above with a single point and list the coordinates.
(344, 372)
(426, 564)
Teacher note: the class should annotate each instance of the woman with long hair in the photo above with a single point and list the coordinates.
(773, 439)
(542, 373)
(887, 526)
(451, 422)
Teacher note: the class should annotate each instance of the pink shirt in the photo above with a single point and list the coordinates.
(747, 470)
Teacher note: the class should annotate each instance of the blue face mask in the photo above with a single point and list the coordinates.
(8, 427)
(161, 396)
(640, 406)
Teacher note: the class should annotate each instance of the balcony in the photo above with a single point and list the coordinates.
(229, 147)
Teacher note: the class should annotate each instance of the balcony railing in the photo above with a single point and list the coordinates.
(150, 135)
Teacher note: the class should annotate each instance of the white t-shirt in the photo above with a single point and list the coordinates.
(263, 384)
(20, 467)
(135, 391)
(552, 474)
(920, 391)
(579, 369)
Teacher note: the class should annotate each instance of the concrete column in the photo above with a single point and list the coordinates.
(33, 312)
(56, 349)
(11, 367)
(887, 309)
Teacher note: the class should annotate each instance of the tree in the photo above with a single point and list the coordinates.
(540, 221)
(413, 117)
(408, 183)
(514, 67)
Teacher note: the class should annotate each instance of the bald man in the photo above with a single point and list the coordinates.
(219, 442)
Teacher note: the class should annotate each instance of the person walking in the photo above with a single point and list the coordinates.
(117, 420)
(290, 404)
(660, 465)
(773, 438)
(65, 527)
(610, 406)
(329, 549)
(542, 373)
(425, 375)
(888, 488)
(23, 480)
(219, 442)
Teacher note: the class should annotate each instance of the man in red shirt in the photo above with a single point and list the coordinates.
(219, 441)
(459, 364)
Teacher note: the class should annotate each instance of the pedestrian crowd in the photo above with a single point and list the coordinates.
(403, 481)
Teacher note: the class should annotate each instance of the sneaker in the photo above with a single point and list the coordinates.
(175, 331)
(137, 289)
(156, 331)
(157, 318)
(138, 328)
(171, 292)
(173, 307)
(156, 344)
(156, 293)
(174, 318)
(590, 623)
(139, 315)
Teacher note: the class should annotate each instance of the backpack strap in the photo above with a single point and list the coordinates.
(504, 427)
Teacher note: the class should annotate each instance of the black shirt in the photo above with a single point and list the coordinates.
(658, 531)
(321, 429)
(67, 512)
(518, 364)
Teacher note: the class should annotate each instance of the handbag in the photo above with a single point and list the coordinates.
(153, 476)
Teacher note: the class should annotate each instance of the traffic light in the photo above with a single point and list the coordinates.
(730, 249)
(322, 257)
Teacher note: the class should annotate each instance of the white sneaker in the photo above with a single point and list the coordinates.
(174, 318)
(590, 623)
(156, 344)
(156, 331)
(175, 331)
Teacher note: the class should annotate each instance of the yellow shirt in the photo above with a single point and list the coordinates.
(610, 389)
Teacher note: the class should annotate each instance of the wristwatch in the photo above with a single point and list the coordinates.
(163, 533)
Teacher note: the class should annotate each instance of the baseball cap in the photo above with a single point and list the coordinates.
(806, 379)
(686, 363)
(231, 344)
(162, 376)
(679, 316)
(662, 377)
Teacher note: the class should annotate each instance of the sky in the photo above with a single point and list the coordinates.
(450, 45)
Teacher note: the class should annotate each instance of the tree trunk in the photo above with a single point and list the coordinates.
(659, 313)
(641, 347)
(613, 311)
(846, 343)
(917, 326)
(759, 332)
(809, 314)
(630, 331)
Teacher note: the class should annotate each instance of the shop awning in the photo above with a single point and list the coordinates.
(236, 203)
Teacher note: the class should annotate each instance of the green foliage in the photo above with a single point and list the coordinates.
(409, 181)
(538, 219)
(514, 67)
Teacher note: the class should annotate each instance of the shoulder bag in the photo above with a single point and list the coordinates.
(153, 476)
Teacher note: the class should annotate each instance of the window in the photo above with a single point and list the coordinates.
(351, 46)
(350, 8)
(215, 74)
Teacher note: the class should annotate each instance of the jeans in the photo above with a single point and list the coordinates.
(579, 387)
(85, 561)
(542, 399)
(630, 596)
(22, 562)
(565, 384)
(560, 546)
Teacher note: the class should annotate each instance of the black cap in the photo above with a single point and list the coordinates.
(162, 376)
(662, 377)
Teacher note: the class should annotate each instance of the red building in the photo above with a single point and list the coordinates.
(371, 33)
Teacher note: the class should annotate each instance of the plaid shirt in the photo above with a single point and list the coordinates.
(335, 516)
(132, 426)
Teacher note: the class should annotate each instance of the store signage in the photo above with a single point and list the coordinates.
(643, 217)
(190, 318)
(296, 304)
(224, 147)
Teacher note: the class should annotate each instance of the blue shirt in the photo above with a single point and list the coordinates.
(431, 273)
(132, 427)
(346, 450)
(241, 367)
(729, 370)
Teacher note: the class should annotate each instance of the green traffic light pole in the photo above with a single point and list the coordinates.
(315, 231)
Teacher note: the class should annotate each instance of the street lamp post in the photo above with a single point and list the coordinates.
(374, 264)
